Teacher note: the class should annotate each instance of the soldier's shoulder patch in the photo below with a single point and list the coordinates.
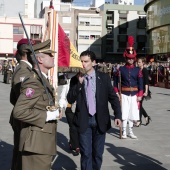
(30, 92)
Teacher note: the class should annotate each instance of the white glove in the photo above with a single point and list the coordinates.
(52, 115)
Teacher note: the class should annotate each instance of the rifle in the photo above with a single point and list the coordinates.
(51, 103)
(119, 87)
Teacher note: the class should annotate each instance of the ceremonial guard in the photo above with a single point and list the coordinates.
(38, 134)
(22, 70)
(128, 85)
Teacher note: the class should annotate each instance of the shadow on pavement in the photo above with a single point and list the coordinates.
(114, 132)
(132, 160)
(64, 120)
(5, 155)
(63, 161)
(164, 94)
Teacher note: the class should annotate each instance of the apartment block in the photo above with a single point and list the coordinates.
(89, 31)
(11, 31)
(119, 22)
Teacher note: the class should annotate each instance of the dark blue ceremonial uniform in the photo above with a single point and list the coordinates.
(131, 81)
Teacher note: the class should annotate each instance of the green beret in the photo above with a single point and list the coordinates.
(43, 47)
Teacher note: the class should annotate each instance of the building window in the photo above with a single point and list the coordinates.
(109, 17)
(141, 38)
(122, 30)
(90, 21)
(35, 36)
(36, 31)
(122, 38)
(66, 20)
(18, 30)
(122, 46)
(15, 45)
(92, 35)
(109, 30)
(141, 46)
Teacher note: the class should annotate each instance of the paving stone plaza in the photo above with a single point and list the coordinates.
(151, 151)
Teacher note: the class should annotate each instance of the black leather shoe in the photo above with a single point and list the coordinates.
(148, 119)
(76, 152)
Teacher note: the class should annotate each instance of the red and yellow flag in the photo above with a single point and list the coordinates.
(66, 55)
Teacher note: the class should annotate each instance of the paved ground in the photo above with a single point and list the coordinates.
(151, 151)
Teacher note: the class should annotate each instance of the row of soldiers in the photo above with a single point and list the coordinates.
(7, 70)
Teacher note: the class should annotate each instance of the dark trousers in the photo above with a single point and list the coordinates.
(142, 110)
(74, 137)
(6, 78)
(16, 158)
(91, 146)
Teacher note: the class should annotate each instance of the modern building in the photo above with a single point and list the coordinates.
(89, 30)
(119, 22)
(82, 25)
(11, 31)
(158, 28)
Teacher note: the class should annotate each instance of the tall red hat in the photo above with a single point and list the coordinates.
(130, 51)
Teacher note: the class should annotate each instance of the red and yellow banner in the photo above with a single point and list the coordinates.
(67, 55)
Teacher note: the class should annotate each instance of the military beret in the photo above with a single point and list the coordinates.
(43, 47)
(23, 45)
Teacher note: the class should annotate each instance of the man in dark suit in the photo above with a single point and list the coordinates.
(38, 134)
(92, 94)
(22, 70)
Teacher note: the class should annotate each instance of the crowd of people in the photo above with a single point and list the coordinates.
(7, 68)
(35, 112)
(157, 71)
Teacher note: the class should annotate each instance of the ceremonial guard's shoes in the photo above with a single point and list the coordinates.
(124, 136)
(131, 135)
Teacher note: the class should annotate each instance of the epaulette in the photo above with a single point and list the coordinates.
(25, 79)
(32, 76)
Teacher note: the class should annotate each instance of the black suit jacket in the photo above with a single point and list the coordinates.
(104, 94)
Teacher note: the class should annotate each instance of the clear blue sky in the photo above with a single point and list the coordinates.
(87, 2)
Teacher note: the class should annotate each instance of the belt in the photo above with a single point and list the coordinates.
(129, 89)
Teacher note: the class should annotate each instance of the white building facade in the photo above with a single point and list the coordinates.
(11, 31)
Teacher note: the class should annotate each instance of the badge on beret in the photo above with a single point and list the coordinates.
(30, 92)
(22, 79)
